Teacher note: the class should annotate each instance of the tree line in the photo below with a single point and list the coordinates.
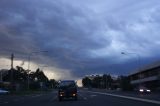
(19, 78)
(107, 82)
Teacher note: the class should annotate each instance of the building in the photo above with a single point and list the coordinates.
(148, 76)
(105, 81)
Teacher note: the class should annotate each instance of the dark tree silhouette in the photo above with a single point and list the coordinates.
(86, 82)
(125, 83)
(20, 76)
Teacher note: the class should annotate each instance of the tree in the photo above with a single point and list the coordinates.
(125, 83)
(96, 83)
(19, 75)
(86, 82)
(53, 83)
(38, 80)
(39, 76)
(107, 79)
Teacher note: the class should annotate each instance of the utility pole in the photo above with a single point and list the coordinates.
(139, 62)
(1, 76)
(12, 58)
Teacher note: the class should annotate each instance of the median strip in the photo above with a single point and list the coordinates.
(36, 96)
(128, 97)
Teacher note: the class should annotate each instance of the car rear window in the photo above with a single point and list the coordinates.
(67, 83)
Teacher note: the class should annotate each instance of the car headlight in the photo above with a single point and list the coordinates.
(141, 90)
(148, 90)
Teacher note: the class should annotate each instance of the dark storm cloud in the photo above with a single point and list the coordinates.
(38, 25)
(83, 36)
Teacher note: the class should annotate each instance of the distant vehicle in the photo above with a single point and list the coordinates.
(2, 91)
(144, 90)
(67, 89)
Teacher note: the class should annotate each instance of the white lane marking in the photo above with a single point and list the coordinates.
(6, 102)
(16, 100)
(36, 96)
(84, 98)
(53, 99)
(93, 95)
(54, 92)
(128, 97)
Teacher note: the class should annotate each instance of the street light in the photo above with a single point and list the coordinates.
(29, 59)
(138, 58)
(42, 82)
(139, 62)
(42, 67)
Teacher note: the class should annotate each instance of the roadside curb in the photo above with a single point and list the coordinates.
(128, 97)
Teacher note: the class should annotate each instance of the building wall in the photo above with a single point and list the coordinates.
(149, 78)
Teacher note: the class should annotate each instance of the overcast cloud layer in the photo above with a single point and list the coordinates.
(81, 37)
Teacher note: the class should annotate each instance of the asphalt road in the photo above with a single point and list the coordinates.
(85, 98)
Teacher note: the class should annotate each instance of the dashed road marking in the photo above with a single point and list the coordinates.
(16, 100)
(36, 96)
(85, 98)
(93, 95)
(54, 92)
(5, 102)
(53, 99)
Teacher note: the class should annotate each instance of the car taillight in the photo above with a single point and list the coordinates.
(61, 93)
(74, 94)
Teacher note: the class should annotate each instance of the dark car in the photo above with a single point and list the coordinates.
(67, 89)
(143, 89)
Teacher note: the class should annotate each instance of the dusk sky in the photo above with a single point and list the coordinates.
(82, 37)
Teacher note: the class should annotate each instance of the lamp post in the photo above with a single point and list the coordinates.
(139, 62)
(138, 58)
(29, 59)
(42, 67)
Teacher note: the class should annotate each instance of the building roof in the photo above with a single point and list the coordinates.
(145, 68)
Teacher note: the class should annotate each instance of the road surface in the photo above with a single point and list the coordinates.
(85, 98)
